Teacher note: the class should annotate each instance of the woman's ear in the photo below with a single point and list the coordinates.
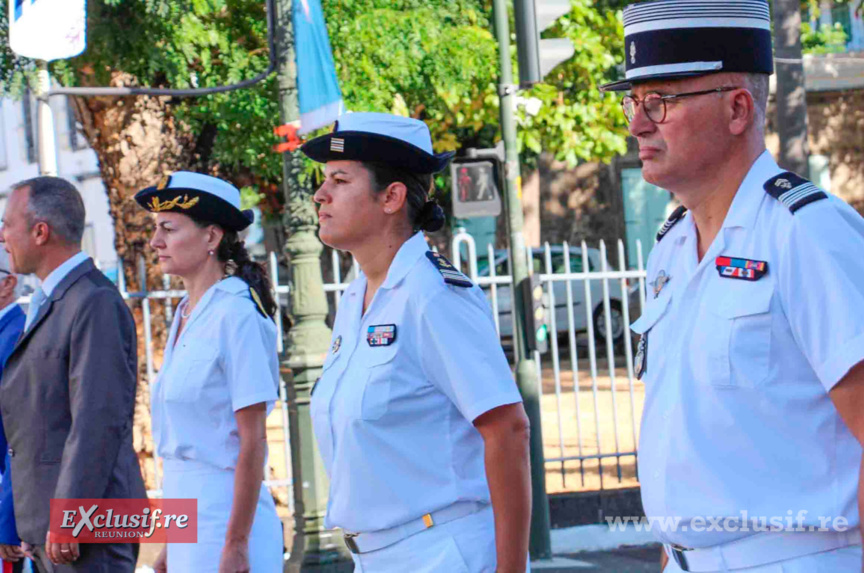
(394, 197)
(214, 237)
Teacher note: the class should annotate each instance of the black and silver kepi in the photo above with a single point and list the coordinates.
(669, 39)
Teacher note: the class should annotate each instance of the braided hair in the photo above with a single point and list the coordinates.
(233, 253)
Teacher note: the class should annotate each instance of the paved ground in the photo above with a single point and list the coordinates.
(623, 560)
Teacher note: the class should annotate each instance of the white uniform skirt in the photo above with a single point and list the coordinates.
(464, 545)
(214, 490)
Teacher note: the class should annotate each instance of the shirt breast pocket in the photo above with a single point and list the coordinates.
(381, 371)
(193, 370)
(739, 342)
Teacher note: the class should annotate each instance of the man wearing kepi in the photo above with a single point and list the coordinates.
(68, 391)
(753, 334)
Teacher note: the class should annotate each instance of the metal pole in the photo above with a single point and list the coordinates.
(307, 342)
(47, 148)
(526, 369)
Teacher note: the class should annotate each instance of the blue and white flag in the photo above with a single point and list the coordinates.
(320, 96)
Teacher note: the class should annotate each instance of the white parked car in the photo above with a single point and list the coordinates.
(559, 289)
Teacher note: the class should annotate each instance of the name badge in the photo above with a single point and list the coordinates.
(381, 335)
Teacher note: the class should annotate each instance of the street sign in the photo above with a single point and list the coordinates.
(47, 29)
(475, 189)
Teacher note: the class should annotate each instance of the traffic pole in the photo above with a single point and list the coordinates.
(526, 367)
(45, 118)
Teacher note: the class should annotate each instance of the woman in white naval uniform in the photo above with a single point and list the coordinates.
(218, 381)
(416, 414)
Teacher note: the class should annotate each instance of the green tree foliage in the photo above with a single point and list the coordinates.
(431, 59)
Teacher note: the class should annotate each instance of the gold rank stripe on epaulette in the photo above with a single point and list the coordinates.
(676, 216)
(793, 191)
(451, 275)
(258, 304)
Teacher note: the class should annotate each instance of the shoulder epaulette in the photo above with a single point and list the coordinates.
(793, 191)
(451, 275)
(258, 304)
(676, 216)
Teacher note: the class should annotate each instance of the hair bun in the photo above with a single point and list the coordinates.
(431, 217)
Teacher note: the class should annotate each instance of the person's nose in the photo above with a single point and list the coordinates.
(156, 241)
(640, 125)
(322, 195)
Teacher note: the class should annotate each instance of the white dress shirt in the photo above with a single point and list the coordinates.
(394, 421)
(224, 360)
(737, 416)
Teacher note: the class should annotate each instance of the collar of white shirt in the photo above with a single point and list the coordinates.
(58, 274)
(405, 258)
(747, 202)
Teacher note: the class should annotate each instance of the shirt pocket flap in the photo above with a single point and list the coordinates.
(654, 311)
(756, 300)
(379, 355)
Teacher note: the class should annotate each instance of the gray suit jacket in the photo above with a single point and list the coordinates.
(67, 401)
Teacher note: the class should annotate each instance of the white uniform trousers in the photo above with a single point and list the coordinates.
(464, 545)
(214, 489)
(843, 560)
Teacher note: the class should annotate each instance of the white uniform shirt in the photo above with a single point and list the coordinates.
(394, 423)
(737, 415)
(224, 360)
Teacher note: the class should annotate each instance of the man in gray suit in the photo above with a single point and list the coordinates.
(68, 391)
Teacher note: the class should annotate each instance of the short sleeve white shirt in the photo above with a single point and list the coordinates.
(224, 360)
(394, 421)
(737, 420)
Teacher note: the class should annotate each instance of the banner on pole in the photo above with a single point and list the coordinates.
(318, 87)
(47, 29)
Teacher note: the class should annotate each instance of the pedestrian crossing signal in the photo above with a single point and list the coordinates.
(475, 189)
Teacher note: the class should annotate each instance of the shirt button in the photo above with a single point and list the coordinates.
(11, 453)
(656, 475)
(666, 415)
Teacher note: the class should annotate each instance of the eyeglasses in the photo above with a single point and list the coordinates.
(655, 104)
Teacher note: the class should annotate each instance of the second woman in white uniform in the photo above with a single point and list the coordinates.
(218, 381)
(417, 417)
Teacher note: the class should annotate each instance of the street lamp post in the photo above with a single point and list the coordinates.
(307, 342)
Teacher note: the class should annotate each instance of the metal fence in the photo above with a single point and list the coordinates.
(583, 423)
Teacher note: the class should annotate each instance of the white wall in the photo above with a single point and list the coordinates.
(78, 165)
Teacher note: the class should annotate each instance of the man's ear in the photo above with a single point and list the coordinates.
(41, 233)
(742, 111)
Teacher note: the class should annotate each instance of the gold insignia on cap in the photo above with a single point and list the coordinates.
(632, 52)
(163, 183)
(181, 201)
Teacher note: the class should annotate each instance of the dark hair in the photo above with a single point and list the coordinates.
(55, 201)
(423, 213)
(233, 253)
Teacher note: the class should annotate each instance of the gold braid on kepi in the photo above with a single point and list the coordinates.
(157, 207)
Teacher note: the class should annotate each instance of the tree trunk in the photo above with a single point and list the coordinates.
(137, 142)
(791, 95)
